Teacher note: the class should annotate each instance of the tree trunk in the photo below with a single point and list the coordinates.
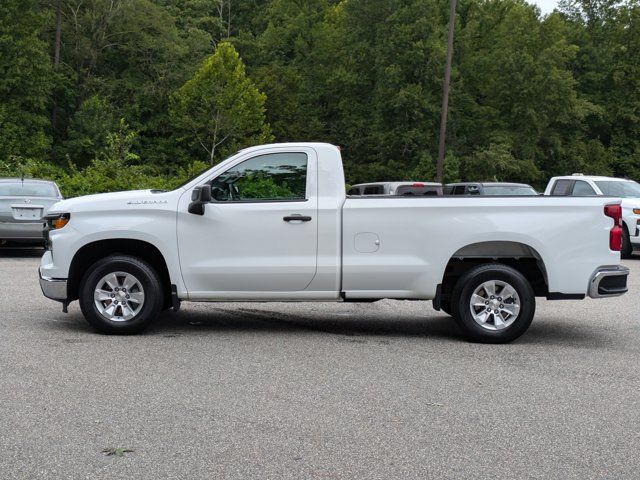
(56, 65)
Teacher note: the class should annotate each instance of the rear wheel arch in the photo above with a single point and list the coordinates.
(517, 255)
(94, 251)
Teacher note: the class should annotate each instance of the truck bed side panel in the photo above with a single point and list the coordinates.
(399, 247)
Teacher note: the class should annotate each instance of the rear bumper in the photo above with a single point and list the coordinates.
(609, 282)
(22, 230)
(53, 288)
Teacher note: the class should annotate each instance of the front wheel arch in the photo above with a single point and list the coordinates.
(90, 253)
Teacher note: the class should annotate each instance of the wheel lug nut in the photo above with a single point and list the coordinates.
(113, 295)
(501, 306)
(116, 289)
(499, 299)
(492, 297)
(496, 311)
(486, 303)
(127, 296)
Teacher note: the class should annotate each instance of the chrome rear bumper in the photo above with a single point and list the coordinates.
(53, 288)
(609, 282)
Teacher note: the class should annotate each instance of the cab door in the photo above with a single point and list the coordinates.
(259, 234)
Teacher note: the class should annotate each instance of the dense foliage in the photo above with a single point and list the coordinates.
(114, 94)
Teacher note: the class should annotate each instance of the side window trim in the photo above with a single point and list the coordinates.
(310, 154)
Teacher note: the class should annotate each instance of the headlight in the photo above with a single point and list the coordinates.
(636, 211)
(57, 221)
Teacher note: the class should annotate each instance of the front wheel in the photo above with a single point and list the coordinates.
(121, 294)
(493, 303)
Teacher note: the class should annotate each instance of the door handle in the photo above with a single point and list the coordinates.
(296, 218)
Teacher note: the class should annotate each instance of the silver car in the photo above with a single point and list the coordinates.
(23, 204)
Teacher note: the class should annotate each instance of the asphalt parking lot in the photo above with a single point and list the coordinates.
(304, 391)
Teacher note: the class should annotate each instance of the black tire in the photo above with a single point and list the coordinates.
(465, 288)
(627, 249)
(143, 272)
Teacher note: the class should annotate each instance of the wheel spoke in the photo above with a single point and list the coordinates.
(102, 295)
(482, 317)
(126, 310)
(511, 308)
(490, 288)
(477, 300)
(498, 321)
(508, 292)
(129, 282)
(137, 297)
(111, 280)
(110, 309)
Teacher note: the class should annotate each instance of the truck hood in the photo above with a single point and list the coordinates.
(631, 202)
(114, 201)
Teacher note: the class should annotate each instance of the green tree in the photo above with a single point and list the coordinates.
(25, 81)
(87, 133)
(220, 109)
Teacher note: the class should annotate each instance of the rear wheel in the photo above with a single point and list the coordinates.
(493, 303)
(121, 294)
(627, 248)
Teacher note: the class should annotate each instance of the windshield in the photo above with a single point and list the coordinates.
(27, 189)
(620, 189)
(509, 190)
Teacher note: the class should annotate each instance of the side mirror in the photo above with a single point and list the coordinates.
(200, 196)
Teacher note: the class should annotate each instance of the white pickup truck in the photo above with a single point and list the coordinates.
(578, 185)
(273, 223)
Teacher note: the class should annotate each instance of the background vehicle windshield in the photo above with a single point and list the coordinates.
(426, 190)
(27, 189)
(509, 190)
(620, 189)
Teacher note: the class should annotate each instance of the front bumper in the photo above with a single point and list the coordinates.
(53, 288)
(609, 282)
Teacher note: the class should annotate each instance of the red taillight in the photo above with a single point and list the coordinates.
(615, 239)
(615, 235)
(418, 184)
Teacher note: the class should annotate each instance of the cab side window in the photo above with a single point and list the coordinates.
(561, 187)
(582, 189)
(270, 177)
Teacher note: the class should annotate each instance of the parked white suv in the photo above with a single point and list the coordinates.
(578, 185)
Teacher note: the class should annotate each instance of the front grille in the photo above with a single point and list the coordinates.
(45, 229)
